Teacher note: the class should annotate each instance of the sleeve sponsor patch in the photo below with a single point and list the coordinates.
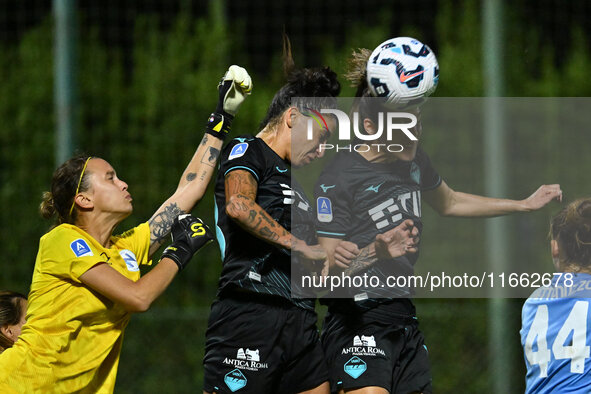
(238, 150)
(81, 248)
(324, 209)
(130, 260)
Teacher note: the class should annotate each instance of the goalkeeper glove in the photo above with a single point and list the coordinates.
(189, 234)
(233, 89)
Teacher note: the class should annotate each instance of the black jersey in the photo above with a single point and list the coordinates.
(357, 200)
(249, 262)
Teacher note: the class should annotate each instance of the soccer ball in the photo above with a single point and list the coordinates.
(402, 70)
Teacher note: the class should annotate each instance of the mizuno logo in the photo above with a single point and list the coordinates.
(280, 170)
(374, 188)
(404, 77)
(325, 188)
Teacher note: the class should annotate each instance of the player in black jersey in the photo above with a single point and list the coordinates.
(259, 339)
(371, 339)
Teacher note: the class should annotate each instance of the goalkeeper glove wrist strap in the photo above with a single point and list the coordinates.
(179, 255)
(219, 124)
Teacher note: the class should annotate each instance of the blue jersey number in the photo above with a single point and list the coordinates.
(577, 351)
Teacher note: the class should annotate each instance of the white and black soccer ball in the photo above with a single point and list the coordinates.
(402, 70)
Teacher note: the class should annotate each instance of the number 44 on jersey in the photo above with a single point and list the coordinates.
(568, 337)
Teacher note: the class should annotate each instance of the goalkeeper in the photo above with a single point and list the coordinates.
(86, 281)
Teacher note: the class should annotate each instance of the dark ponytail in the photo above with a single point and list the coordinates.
(57, 203)
(318, 82)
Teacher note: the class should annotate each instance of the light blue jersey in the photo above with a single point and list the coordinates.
(556, 336)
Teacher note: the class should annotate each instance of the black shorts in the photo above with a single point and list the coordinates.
(362, 354)
(262, 345)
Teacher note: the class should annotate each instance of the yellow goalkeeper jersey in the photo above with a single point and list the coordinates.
(72, 339)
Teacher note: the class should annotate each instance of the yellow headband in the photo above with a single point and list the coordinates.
(79, 182)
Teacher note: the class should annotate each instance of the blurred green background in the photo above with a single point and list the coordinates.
(146, 82)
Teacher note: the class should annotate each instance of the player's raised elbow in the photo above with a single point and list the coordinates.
(444, 211)
(137, 304)
(236, 208)
(443, 202)
(133, 307)
(440, 207)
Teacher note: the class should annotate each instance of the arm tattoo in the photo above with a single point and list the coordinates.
(241, 185)
(191, 176)
(363, 261)
(161, 222)
(213, 154)
(241, 182)
(271, 222)
(210, 157)
(257, 222)
(269, 234)
(203, 140)
(203, 175)
(272, 233)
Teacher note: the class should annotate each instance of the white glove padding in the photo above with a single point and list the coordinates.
(234, 87)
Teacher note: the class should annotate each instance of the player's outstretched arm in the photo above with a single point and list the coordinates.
(346, 257)
(233, 89)
(448, 202)
(189, 234)
(241, 192)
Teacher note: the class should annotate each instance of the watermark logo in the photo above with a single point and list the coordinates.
(315, 117)
(388, 123)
